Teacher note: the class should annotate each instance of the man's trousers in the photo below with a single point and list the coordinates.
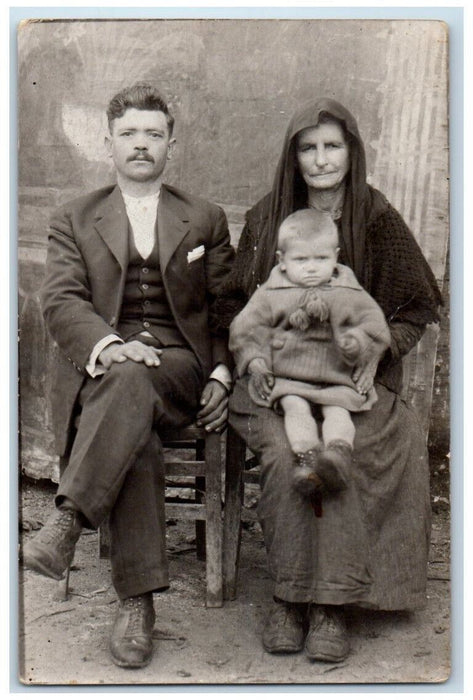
(116, 464)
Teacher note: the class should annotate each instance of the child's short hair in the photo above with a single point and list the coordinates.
(306, 224)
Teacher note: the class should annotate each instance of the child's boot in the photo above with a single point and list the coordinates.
(333, 464)
(305, 478)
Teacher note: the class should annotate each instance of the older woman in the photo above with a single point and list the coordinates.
(367, 545)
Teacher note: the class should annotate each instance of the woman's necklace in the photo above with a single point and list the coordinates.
(330, 202)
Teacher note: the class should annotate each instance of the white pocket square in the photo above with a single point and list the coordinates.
(195, 254)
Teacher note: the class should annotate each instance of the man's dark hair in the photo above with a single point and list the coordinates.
(139, 96)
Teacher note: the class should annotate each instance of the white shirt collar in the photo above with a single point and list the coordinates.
(148, 200)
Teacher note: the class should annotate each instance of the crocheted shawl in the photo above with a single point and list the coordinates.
(374, 240)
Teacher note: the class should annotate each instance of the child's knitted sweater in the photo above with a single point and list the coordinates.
(309, 361)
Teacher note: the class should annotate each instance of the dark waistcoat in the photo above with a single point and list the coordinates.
(145, 306)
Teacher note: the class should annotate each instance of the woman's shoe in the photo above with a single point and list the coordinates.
(327, 639)
(284, 629)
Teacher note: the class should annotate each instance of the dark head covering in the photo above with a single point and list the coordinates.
(289, 190)
(374, 240)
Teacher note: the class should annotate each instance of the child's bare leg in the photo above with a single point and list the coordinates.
(337, 425)
(300, 425)
(338, 433)
(302, 433)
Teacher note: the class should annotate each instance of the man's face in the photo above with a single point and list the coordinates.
(140, 144)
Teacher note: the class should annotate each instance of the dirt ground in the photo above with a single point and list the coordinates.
(66, 642)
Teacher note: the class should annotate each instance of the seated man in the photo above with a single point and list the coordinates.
(131, 272)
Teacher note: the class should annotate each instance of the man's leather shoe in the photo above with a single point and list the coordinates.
(284, 629)
(51, 551)
(131, 644)
(327, 639)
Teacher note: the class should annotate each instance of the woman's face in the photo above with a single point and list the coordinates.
(323, 156)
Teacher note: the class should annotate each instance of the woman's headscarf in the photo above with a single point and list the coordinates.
(374, 240)
(289, 190)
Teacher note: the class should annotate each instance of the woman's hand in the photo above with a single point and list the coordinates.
(364, 375)
(262, 377)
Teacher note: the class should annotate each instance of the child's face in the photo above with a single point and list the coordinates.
(309, 263)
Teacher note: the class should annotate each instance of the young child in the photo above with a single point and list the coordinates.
(312, 335)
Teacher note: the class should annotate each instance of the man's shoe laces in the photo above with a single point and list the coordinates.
(136, 607)
(58, 527)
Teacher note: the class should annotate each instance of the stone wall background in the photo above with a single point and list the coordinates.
(232, 85)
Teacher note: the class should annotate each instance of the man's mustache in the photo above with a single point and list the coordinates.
(141, 156)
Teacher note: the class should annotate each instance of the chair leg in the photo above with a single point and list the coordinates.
(62, 592)
(234, 488)
(200, 527)
(200, 538)
(213, 507)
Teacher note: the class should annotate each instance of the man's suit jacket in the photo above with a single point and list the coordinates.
(85, 276)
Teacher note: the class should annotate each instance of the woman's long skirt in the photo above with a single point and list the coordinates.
(367, 545)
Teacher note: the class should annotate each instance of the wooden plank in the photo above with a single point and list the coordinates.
(213, 498)
(418, 379)
(185, 511)
(410, 167)
(185, 468)
(178, 435)
(234, 491)
(200, 487)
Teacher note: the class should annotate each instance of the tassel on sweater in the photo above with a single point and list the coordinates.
(312, 308)
(299, 319)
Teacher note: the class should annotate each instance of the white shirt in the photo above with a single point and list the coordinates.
(142, 212)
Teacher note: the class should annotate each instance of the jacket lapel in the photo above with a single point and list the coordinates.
(173, 225)
(112, 225)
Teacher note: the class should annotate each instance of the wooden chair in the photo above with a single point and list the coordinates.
(203, 474)
(236, 474)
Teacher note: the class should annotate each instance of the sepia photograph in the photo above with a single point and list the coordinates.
(234, 352)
